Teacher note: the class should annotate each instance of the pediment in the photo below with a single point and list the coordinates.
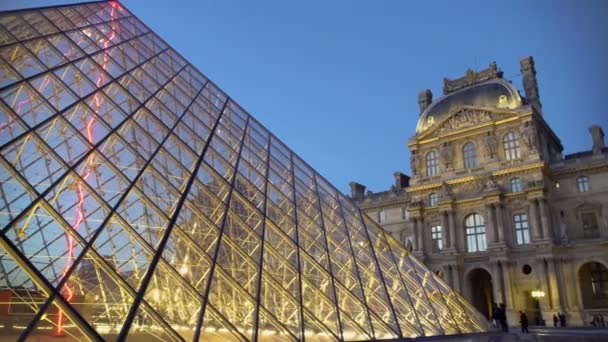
(465, 118)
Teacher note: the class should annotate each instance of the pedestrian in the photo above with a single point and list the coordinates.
(495, 314)
(562, 319)
(523, 320)
(503, 317)
(555, 320)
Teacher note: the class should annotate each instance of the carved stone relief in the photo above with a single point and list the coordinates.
(490, 144)
(447, 155)
(528, 135)
(465, 119)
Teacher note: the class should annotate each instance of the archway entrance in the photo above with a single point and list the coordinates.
(593, 279)
(480, 285)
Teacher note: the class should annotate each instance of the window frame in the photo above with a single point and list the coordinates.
(436, 237)
(475, 233)
(515, 183)
(381, 216)
(590, 233)
(511, 146)
(432, 163)
(469, 155)
(521, 227)
(582, 183)
(433, 199)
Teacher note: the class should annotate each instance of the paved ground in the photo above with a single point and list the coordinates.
(536, 334)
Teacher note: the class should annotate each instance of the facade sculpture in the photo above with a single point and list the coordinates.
(508, 214)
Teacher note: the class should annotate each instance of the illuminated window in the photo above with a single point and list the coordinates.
(469, 152)
(522, 230)
(475, 233)
(432, 163)
(436, 238)
(582, 183)
(511, 145)
(515, 185)
(433, 199)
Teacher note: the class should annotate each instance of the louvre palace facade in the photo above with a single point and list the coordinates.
(493, 206)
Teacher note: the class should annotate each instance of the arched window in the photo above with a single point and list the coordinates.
(515, 185)
(469, 153)
(475, 233)
(510, 143)
(582, 183)
(433, 199)
(432, 163)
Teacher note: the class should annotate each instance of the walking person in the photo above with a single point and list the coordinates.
(562, 319)
(555, 320)
(495, 315)
(523, 320)
(503, 317)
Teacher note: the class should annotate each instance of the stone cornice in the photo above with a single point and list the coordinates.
(577, 168)
(517, 169)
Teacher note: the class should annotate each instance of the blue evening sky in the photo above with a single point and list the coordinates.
(337, 81)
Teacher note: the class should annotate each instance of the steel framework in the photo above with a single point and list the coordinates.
(138, 201)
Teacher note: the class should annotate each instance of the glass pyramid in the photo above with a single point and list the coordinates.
(139, 202)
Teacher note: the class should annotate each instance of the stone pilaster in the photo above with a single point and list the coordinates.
(497, 285)
(552, 278)
(500, 221)
(534, 226)
(452, 224)
(491, 229)
(416, 234)
(544, 219)
(445, 230)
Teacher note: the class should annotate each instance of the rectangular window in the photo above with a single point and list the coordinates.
(382, 216)
(522, 230)
(590, 227)
(436, 238)
(405, 215)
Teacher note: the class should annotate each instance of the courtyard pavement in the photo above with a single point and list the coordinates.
(541, 334)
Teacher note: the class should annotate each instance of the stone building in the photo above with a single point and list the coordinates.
(494, 207)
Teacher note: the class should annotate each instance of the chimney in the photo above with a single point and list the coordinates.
(597, 136)
(528, 74)
(425, 98)
(357, 191)
(401, 180)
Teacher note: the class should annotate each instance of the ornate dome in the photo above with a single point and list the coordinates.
(495, 93)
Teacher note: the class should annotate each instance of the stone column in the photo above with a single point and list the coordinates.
(506, 277)
(445, 230)
(534, 221)
(500, 217)
(456, 278)
(452, 224)
(544, 219)
(491, 233)
(542, 282)
(555, 302)
(497, 283)
(416, 234)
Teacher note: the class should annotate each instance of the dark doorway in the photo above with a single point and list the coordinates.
(533, 309)
(481, 291)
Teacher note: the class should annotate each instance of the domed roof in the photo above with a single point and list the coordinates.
(495, 93)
